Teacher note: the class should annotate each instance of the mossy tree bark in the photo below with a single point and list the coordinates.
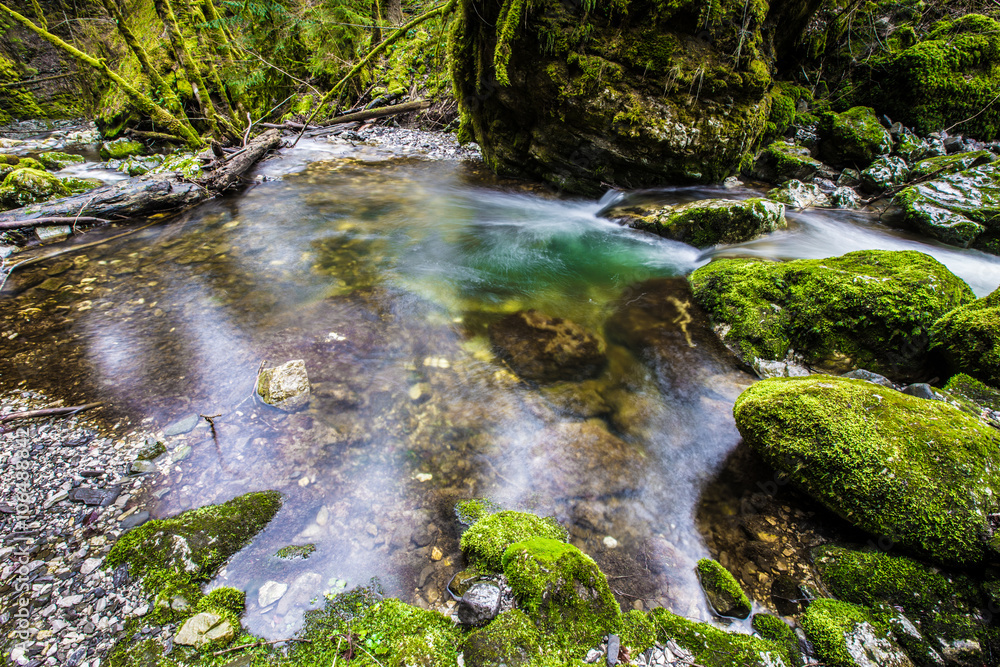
(143, 103)
(201, 93)
(159, 84)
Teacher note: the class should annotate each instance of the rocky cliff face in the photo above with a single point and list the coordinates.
(626, 94)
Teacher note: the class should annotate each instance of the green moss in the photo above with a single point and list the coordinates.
(853, 138)
(974, 390)
(562, 590)
(969, 338)
(16, 103)
(869, 309)
(186, 164)
(943, 165)
(943, 607)
(27, 186)
(510, 639)
(826, 622)
(191, 546)
(56, 161)
(470, 511)
(77, 185)
(485, 542)
(915, 472)
(950, 76)
(151, 450)
(121, 149)
(637, 632)
(776, 630)
(296, 551)
(713, 647)
(225, 601)
(722, 589)
(782, 161)
(711, 222)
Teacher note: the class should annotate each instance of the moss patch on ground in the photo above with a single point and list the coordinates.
(869, 309)
(918, 472)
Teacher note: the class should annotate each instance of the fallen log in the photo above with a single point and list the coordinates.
(333, 129)
(372, 114)
(143, 195)
(34, 222)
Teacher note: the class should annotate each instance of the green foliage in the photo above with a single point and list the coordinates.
(485, 542)
(914, 471)
(868, 309)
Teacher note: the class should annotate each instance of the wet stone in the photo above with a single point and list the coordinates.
(133, 520)
(93, 496)
(182, 426)
(480, 603)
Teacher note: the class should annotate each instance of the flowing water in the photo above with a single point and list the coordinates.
(383, 273)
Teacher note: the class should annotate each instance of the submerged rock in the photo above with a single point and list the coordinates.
(541, 348)
(285, 387)
(581, 96)
(969, 339)
(917, 472)
(584, 460)
(868, 309)
(854, 138)
(722, 590)
(711, 222)
(961, 209)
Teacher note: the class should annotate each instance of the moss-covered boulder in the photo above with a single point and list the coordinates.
(776, 630)
(562, 590)
(942, 165)
(961, 209)
(945, 608)
(511, 640)
(485, 542)
(77, 185)
(711, 647)
(782, 161)
(27, 186)
(583, 95)
(951, 75)
(799, 195)
(854, 138)
(969, 338)
(121, 149)
(710, 222)
(9, 163)
(722, 589)
(847, 635)
(919, 473)
(869, 309)
(186, 164)
(973, 390)
(190, 547)
(55, 160)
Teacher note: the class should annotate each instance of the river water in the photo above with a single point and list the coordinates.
(382, 273)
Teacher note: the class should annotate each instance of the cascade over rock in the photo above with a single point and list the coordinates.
(623, 94)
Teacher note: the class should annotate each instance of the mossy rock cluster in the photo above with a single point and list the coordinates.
(626, 94)
(950, 75)
(869, 309)
(917, 472)
(25, 186)
(121, 149)
(782, 161)
(969, 339)
(854, 138)
(712, 647)
(961, 208)
(55, 160)
(847, 635)
(942, 165)
(710, 222)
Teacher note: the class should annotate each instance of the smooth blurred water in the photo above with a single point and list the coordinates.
(383, 275)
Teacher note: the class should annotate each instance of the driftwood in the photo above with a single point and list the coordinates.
(144, 195)
(47, 412)
(371, 114)
(333, 129)
(34, 222)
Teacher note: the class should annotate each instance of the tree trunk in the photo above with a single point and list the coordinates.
(201, 93)
(394, 12)
(141, 101)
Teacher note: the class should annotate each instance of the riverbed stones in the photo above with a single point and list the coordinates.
(270, 593)
(121, 149)
(542, 348)
(854, 138)
(960, 209)
(480, 603)
(709, 222)
(285, 387)
(969, 339)
(869, 309)
(920, 472)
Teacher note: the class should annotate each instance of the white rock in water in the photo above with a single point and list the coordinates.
(285, 387)
(270, 593)
(204, 629)
(610, 542)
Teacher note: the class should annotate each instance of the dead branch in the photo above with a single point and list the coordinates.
(48, 412)
(34, 222)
